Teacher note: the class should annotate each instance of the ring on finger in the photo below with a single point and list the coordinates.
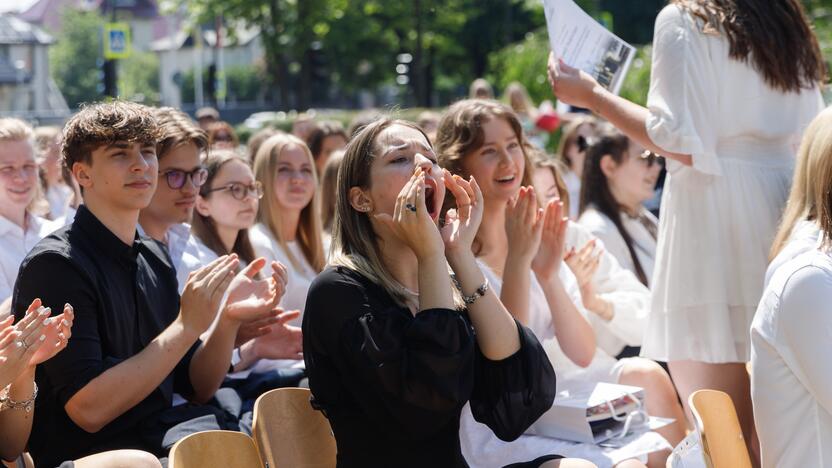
(411, 207)
(22, 344)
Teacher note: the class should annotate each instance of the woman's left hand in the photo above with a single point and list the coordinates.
(462, 222)
(571, 85)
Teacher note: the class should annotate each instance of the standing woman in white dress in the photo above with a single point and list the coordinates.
(733, 84)
(288, 228)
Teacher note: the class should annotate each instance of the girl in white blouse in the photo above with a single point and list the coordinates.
(791, 377)
(289, 224)
(522, 247)
(618, 301)
(20, 228)
(732, 86)
(619, 175)
(571, 154)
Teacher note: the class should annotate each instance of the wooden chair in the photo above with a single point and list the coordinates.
(289, 433)
(716, 419)
(215, 449)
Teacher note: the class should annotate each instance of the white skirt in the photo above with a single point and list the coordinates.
(714, 236)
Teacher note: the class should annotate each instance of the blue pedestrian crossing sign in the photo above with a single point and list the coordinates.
(116, 40)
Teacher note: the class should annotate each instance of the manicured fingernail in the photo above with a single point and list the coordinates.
(42, 338)
(48, 321)
(65, 322)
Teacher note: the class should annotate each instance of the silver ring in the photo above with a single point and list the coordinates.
(22, 344)
(411, 207)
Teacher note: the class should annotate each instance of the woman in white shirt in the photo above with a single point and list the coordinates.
(20, 229)
(571, 154)
(732, 87)
(619, 175)
(57, 192)
(484, 139)
(619, 302)
(791, 380)
(799, 231)
(288, 226)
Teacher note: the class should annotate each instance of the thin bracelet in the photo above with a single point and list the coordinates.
(7, 402)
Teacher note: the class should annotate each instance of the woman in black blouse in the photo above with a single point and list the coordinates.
(393, 351)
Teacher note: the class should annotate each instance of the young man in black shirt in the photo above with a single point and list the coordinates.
(134, 343)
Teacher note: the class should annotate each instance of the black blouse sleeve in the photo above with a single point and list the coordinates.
(409, 374)
(509, 395)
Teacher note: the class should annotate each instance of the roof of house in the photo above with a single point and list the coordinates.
(47, 13)
(14, 30)
(237, 37)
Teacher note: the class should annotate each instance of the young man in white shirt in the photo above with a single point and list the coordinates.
(265, 336)
(20, 229)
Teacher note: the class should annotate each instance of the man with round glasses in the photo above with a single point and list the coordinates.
(180, 176)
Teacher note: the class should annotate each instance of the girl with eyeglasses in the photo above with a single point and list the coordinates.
(619, 176)
(226, 207)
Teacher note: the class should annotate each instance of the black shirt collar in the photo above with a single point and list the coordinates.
(104, 239)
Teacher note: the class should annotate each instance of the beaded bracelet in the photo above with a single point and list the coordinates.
(27, 405)
(468, 300)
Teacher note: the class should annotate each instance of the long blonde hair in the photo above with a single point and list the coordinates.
(812, 183)
(355, 245)
(268, 213)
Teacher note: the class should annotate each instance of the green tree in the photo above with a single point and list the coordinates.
(139, 77)
(73, 58)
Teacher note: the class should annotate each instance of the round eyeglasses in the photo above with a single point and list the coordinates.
(240, 190)
(176, 178)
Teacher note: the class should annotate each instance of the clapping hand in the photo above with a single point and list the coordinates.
(204, 292)
(524, 225)
(550, 254)
(33, 340)
(259, 323)
(584, 263)
(283, 341)
(462, 222)
(250, 298)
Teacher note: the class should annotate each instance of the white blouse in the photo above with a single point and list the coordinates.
(643, 241)
(300, 277)
(791, 377)
(804, 237)
(630, 299)
(15, 243)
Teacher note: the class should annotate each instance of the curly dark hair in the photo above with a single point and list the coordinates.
(105, 123)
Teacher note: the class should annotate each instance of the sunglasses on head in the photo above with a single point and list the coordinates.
(651, 158)
(239, 190)
(176, 178)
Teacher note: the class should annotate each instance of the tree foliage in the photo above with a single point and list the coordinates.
(73, 58)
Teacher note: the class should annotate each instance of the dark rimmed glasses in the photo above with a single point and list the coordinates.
(239, 190)
(176, 178)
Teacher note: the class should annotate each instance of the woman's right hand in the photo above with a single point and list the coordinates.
(415, 228)
(550, 255)
(524, 225)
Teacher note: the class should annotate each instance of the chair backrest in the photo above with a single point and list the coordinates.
(289, 433)
(215, 449)
(722, 439)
